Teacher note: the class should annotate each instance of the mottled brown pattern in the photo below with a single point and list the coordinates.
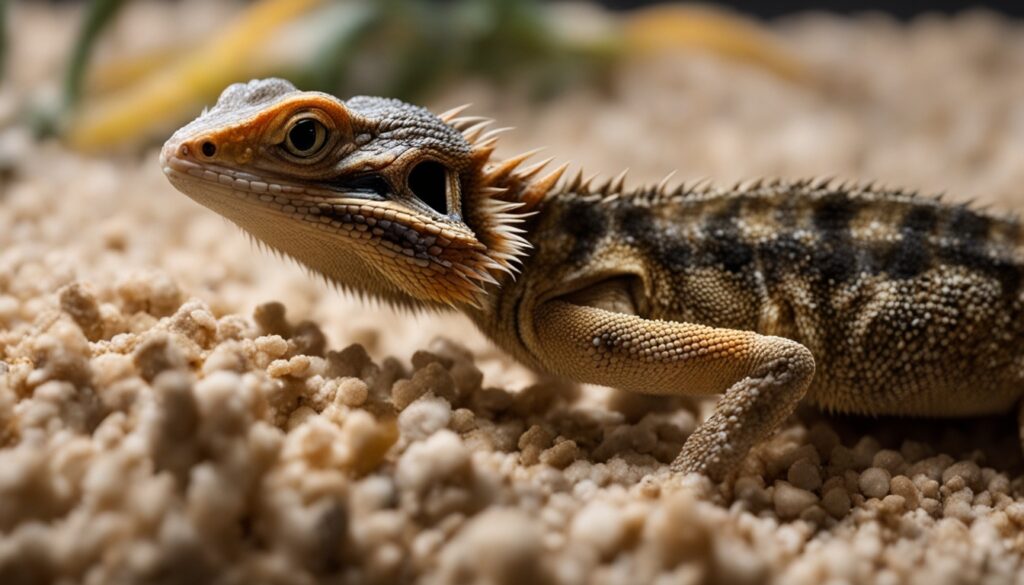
(906, 303)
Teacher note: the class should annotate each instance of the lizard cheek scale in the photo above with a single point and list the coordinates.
(851, 297)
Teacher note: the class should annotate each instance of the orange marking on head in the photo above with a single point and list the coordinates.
(269, 125)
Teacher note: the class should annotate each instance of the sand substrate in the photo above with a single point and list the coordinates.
(178, 407)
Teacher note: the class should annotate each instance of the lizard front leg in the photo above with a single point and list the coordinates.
(763, 377)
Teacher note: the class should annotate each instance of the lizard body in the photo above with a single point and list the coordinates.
(866, 300)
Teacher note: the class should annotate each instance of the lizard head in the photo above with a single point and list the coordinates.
(377, 195)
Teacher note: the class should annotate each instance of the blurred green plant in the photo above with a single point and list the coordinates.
(400, 48)
(429, 43)
(97, 17)
(146, 94)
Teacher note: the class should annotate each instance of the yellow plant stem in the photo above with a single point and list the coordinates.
(156, 99)
(669, 27)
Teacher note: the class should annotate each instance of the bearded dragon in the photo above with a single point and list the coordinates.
(856, 298)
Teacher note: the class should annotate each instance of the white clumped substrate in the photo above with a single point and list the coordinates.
(162, 421)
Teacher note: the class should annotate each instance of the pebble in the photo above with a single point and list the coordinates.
(889, 460)
(600, 526)
(791, 501)
(560, 455)
(874, 482)
(805, 475)
(903, 487)
(352, 392)
(836, 502)
(424, 417)
(498, 547)
(967, 470)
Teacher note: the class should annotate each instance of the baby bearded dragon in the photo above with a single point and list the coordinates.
(903, 305)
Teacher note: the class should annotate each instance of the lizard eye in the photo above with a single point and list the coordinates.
(306, 137)
(428, 181)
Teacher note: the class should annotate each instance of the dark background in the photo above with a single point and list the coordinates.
(904, 9)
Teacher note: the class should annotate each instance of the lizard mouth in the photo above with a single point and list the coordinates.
(181, 170)
(365, 219)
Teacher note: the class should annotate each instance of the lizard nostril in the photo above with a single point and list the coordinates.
(209, 149)
(183, 151)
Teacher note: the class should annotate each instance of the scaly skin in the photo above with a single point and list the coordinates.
(903, 305)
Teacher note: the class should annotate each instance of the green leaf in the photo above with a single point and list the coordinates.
(98, 16)
(100, 13)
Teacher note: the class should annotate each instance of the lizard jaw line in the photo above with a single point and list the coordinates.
(292, 200)
(410, 242)
(174, 166)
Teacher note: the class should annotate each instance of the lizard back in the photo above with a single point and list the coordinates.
(904, 301)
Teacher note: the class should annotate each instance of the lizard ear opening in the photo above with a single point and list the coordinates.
(428, 181)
